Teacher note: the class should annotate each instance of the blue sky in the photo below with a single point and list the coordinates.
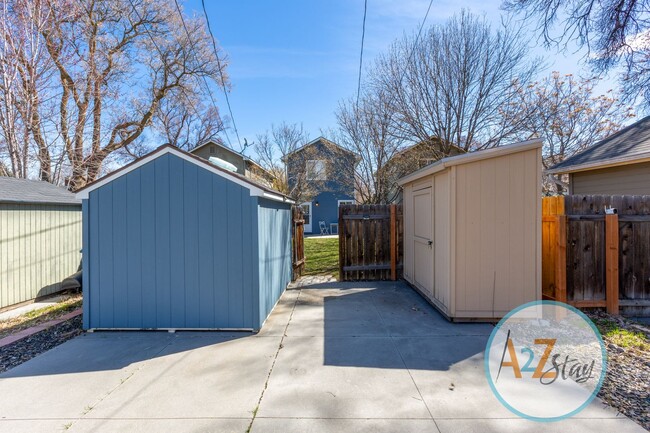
(294, 60)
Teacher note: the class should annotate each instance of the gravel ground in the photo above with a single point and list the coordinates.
(627, 384)
(27, 348)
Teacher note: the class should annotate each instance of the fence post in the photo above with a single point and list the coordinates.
(560, 260)
(393, 242)
(342, 242)
(611, 262)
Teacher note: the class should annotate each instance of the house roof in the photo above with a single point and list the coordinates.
(629, 145)
(471, 157)
(26, 191)
(223, 146)
(436, 143)
(256, 189)
(326, 141)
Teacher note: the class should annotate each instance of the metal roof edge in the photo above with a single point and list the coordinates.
(596, 165)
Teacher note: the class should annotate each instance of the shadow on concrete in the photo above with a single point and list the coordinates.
(107, 350)
(389, 325)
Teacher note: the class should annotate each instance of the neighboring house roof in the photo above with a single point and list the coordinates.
(256, 189)
(26, 191)
(456, 150)
(629, 145)
(244, 157)
(471, 157)
(324, 140)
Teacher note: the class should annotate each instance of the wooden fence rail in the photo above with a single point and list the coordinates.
(593, 259)
(370, 242)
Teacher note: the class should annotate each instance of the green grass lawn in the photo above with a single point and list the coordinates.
(322, 256)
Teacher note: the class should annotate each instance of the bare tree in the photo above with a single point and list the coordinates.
(273, 149)
(184, 121)
(113, 66)
(366, 129)
(24, 66)
(450, 83)
(614, 32)
(568, 115)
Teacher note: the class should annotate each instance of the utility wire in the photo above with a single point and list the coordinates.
(363, 36)
(162, 56)
(225, 91)
(205, 81)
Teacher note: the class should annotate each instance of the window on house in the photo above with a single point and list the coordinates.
(213, 150)
(316, 169)
(345, 202)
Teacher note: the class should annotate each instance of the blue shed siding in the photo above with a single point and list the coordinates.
(274, 239)
(171, 245)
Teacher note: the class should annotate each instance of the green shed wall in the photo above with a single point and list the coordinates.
(40, 245)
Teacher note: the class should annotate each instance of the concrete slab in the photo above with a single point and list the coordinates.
(368, 357)
(201, 376)
(33, 425)
(184, 425)
(518, 425)
(64, 381)
(302, 425)
(318, 377)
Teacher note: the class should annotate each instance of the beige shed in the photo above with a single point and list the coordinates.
(472, 231)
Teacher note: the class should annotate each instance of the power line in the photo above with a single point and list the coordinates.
(216, 54)
(205, 81)
(162, 56)
(363, 36)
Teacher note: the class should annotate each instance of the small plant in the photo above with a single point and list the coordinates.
(614, 333)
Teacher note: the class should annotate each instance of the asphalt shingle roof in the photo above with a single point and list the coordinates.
(630, 143)
(14, 190)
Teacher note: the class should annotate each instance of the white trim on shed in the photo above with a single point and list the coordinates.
(255, 191)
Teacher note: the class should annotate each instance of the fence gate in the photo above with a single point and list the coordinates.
(370, 242)
(297, 242)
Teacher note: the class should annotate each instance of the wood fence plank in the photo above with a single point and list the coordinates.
(611, 259)
(560, 259)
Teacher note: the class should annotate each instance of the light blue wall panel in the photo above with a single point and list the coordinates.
(274, 242)
(172, 245)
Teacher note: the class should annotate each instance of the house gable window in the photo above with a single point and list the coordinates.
(316, 169)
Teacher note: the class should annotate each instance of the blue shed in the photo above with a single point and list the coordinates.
(172, 241)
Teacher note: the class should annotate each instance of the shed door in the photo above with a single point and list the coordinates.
(423, 240)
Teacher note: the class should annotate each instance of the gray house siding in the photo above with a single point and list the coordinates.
(172, 245)
(209, 150)
(40, 246)
(630, 179)
(275, 254)
(339, 185)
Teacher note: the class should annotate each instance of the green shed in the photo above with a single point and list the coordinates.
(40, 239)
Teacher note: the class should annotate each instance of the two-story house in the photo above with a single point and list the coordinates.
(321, 175)
(234, 161)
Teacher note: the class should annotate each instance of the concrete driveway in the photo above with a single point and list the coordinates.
(343, 357)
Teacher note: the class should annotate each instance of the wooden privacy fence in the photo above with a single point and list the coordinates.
(593, 259)
(370, 242)
(297, 242)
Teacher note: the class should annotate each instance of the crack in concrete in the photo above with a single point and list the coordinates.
(275, 358)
